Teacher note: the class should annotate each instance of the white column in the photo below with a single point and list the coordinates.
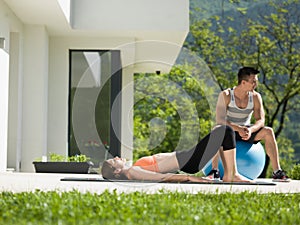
(4, 72)
(127, 113)
(35, 95)
(15, 103)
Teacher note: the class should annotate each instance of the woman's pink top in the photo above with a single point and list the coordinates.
(157, 167)
(147, 163)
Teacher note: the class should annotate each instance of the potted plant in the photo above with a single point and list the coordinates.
(60, 164)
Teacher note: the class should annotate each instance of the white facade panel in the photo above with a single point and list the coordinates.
(4, 65)
(4, 83)
(35, 95)
(154, 15)
(15, 103)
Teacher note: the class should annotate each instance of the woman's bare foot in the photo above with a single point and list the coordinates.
(236, 178)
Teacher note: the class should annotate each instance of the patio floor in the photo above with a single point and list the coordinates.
(29, 182)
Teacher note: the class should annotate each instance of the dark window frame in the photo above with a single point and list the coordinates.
(116, 86)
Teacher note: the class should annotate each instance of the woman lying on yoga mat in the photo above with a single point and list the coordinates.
(161, 167)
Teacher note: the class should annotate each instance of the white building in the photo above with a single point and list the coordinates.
(48, 47)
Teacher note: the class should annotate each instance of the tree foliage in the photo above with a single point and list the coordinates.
(267, 38)
(271, 42)
(171, 112)
(275, 41)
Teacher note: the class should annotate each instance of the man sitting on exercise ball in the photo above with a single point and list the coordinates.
(235, 108)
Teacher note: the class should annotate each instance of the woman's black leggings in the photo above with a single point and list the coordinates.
(193, 160)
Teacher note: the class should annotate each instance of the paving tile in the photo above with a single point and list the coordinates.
(29, 182)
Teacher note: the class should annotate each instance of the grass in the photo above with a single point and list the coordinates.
(140, 208)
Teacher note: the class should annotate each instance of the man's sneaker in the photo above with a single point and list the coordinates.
(280, 176)
(214, 174)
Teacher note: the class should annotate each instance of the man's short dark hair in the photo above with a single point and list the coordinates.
(245, 72)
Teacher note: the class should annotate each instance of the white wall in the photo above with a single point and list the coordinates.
(15, 102)
(4, 64)
(4, 84)
(11, 28)
(160, 23)
(130, 15)
(127, 113)
(35, 95)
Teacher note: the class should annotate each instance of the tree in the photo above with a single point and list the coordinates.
(169, 111)
(271, 42)
(276, 50)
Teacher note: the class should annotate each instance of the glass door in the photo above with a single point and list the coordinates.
(95, 82)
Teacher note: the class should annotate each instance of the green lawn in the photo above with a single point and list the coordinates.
(139, 208)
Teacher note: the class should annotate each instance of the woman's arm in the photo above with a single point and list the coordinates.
(185, 178)
(137, 173)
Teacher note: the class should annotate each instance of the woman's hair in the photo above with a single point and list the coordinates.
(107, 172)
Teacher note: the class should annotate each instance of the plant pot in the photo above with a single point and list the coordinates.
(62, 167)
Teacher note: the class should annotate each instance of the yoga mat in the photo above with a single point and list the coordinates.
(86, 179)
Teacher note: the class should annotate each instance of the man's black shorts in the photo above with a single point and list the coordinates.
(251, 139)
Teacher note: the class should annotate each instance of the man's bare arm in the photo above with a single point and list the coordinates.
(258, 114)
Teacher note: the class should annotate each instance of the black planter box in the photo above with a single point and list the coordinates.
(62, 167)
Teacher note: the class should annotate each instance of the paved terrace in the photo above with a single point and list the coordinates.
(29, 182)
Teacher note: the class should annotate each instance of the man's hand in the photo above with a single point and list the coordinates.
(245, 133)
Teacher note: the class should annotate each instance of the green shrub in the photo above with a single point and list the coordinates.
(295, 172)
(54, 157)
(78, 158)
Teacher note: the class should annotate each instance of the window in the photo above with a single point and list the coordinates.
(95, 81)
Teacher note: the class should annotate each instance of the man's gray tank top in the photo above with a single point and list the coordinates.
(237, 115)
